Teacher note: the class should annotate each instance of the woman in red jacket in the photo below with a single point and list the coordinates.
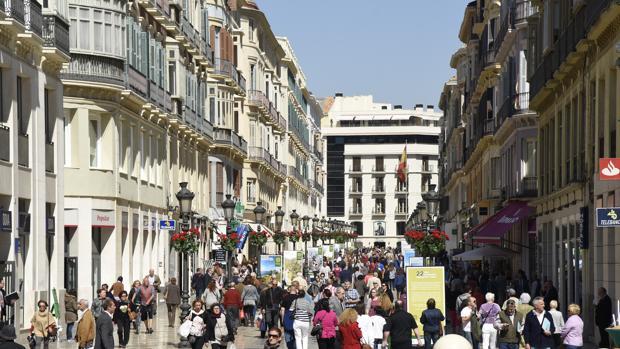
(350, 331)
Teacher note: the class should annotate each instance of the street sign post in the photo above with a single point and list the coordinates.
(167, 224)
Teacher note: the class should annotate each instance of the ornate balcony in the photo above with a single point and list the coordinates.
(355, 212)
(100, 69)
(33, 19)
(14, 9)
(294, 172)
(319, 187)
(56, 33)
(226, 136)
(261, 154)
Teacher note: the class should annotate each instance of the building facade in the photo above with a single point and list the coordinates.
(33, 46)
(365, 141)
(573, 87)
(489, 133)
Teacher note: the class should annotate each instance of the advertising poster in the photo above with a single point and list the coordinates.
(315, 257)
(408, 254)
(293, 264)
(379, 228)
(270, 266)
(424, 283)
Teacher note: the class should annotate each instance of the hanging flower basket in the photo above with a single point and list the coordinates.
(427, 244)
(279, 238)
(340, 238)
(258, 238)
(294, 236)
(186, 241)
(229, 242)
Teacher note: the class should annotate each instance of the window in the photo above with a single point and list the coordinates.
(22, 117)
(67, 124)
(402, 205)
(359, 227)
(496, 173)
(105, 26)
(251, 30)
(357, 166)
(529, 157)
(400, 228)
(251, 190)
(379, 163)
(94, 133)
(49, 119)
(380, 205)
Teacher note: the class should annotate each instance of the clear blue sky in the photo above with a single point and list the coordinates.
(397, 50)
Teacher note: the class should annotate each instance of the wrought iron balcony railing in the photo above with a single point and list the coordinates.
(55, 33)
(33, 17)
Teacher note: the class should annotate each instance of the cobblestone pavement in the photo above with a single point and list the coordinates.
(166, 337)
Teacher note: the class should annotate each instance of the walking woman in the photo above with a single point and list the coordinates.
(172, 295)
(572, 332)
(431, 319)
(249, 298)
(121, 317)
(212, 295)
(197, 331)
(219, 328)
(135, 295)
(42, 325)
(349, 330)
(488, 315)
(373, 302)
(328, 320)
(302, 313)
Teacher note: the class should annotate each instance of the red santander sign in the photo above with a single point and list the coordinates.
(609, 169)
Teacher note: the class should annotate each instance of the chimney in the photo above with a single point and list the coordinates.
(430, 107)
(419, 106)
(384, 107)
(339, 94)
(398, 106)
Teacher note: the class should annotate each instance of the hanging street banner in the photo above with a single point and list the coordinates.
(243, 230)
(609, 169)
(424, 283)
(607, 217)
(293, 264)
(270, 266)
(408, 254)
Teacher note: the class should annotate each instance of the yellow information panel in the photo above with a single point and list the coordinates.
(424, 283)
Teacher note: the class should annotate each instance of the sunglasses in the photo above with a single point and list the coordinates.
(273, 336)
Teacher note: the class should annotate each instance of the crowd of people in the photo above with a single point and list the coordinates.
(357, 300)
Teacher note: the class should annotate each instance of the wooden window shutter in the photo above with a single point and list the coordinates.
(212, 36)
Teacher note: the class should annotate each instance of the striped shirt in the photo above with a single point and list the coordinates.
(302, 310)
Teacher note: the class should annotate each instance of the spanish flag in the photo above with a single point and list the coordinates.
(402, 167)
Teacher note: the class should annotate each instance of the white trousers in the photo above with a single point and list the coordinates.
(302, 331)
(489, 336)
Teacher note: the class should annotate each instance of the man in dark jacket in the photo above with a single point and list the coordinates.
(198, 283)
(551, 293)
(104, 338)
(538, 328)
(270, 300)
(7, 338)
(602, 316)
(398, 328)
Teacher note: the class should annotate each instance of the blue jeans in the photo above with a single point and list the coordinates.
(430, 339)
(289, 338)
(508, 345)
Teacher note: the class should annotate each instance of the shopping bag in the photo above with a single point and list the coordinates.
(241, 314)
(185, 327)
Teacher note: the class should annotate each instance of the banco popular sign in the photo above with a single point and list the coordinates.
(608, 217)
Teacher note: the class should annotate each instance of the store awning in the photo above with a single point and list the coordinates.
(488, 251)
(497, 225)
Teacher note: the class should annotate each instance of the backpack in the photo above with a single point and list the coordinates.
(460, 302)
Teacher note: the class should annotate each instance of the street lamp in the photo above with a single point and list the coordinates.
(315, 222)
(259, 212)
(422, 212)
(305, 221)
(185, 197)
(279, 214)
(228, 206)
(431, 197)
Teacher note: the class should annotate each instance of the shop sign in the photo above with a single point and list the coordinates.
(239, 208)
(609, 169)
(220, 255)
(5, 220)
(167, 224)
(103, 218)
(608, 217)
(583, 227)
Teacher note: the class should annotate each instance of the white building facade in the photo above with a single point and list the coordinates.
(365, 141)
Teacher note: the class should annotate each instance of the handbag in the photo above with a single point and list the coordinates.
(317, 330)
(185, 328)
(32, 342)
(241, 314)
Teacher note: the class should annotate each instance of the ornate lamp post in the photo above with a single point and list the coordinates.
(422, 214)
(431, 198)
(259, 212)
(294, 216)
(305, 220)
(228, 206)
(185, 197)
(279, 217)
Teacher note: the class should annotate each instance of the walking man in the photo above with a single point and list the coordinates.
(105, 327)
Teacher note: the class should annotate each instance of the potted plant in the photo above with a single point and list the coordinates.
(230, 241)
(258, 238)
(186, 241)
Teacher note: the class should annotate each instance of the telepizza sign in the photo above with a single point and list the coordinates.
(609, 169)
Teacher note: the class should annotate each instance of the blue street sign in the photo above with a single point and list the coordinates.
(167, 224)
(608, 217)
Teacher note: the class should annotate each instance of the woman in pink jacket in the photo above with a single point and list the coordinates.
(328, 319)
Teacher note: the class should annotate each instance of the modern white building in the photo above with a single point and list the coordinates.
(364, 142)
